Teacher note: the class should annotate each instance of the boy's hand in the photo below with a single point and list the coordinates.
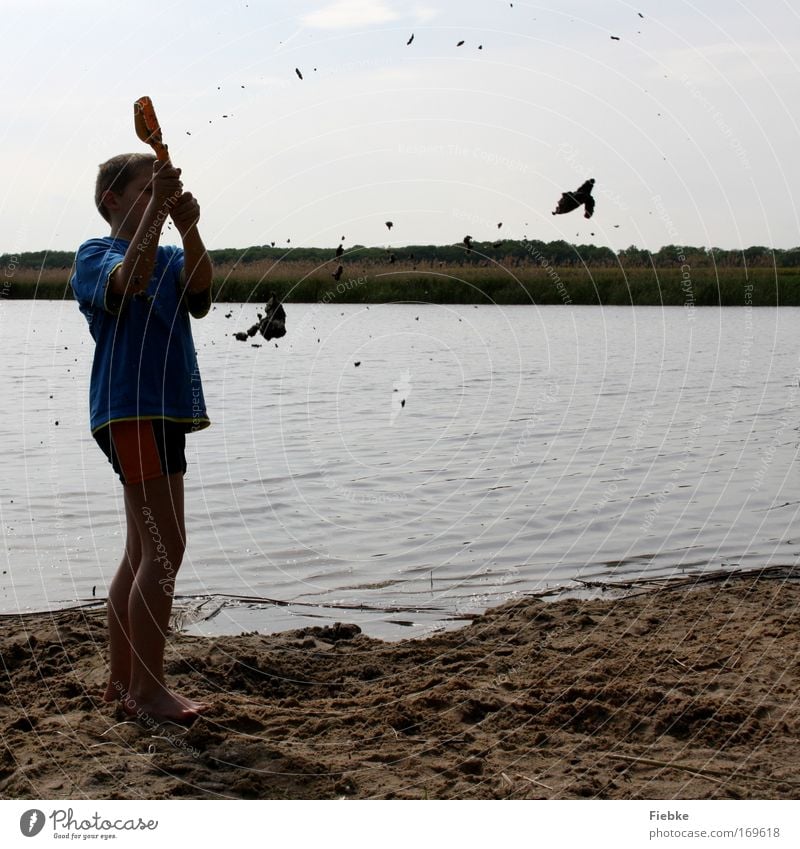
(185, 213)
(167, 185)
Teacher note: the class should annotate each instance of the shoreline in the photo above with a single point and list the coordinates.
(665, 693)
(187, 619)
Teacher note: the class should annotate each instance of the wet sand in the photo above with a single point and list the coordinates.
(686, 691)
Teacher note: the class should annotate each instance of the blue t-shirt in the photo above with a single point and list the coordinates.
(145, 363)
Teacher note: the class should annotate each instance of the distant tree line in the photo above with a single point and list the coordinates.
(516, 253)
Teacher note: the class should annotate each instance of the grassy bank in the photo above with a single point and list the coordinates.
(452, 283)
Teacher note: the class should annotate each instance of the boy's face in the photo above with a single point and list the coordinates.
(128, 207)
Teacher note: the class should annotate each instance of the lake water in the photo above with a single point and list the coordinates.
(535, 445)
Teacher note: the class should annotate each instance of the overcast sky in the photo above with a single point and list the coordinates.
(688, 123)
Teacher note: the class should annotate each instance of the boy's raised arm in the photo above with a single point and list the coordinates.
(133, 275)
(197, 268)
(197, 263)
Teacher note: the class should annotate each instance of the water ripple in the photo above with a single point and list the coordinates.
(611, 443)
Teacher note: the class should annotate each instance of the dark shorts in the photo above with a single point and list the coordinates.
(142, 450)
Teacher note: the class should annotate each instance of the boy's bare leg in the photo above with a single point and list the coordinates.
(118, 596)
(118, 601)
(157, 510)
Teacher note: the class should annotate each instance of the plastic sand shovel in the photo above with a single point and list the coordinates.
(147, 126)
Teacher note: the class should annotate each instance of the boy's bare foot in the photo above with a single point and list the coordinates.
(164, 706)
(191, 704)
(115, 693)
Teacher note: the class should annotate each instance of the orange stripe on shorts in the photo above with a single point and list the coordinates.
(136, 450)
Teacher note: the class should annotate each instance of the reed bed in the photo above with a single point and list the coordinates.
(511, 282)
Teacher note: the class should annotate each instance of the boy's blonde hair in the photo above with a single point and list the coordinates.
(115, 174)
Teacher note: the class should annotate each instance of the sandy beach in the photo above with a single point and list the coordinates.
(687, 690)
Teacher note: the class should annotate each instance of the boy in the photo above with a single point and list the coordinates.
(145, 396)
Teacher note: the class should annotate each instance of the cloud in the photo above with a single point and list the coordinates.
(423, 14)
(349, 14)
